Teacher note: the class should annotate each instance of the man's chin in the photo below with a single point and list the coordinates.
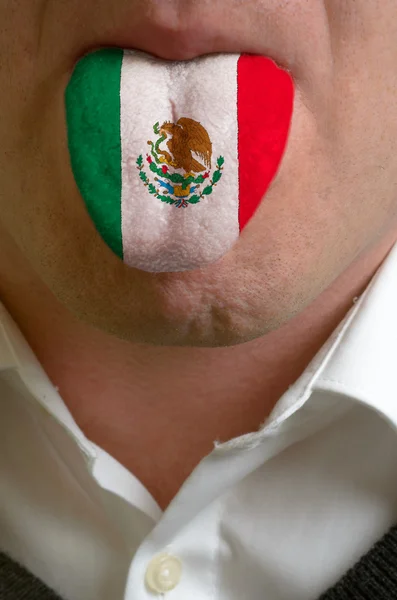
(220, 306)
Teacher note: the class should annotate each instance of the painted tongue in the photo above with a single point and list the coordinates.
(172, 159)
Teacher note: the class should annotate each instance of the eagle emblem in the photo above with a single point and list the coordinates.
(178, 176)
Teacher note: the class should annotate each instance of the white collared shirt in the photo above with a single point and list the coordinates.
(279, 514)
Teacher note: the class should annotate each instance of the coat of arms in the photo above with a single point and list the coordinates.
(178, 175)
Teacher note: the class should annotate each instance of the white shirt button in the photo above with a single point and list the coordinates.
(163, 573)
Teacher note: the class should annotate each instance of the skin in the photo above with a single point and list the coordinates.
(246, 327)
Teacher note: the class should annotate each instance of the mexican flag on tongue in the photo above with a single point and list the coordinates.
(172, 159)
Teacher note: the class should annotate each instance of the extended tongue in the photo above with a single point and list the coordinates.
(173, 158)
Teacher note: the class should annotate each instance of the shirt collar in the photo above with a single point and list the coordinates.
(358, 361)
(17, 358)
(364, 364)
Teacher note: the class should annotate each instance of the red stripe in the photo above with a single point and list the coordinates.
(265, 96)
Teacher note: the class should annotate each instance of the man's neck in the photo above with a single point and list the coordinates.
(158, 410)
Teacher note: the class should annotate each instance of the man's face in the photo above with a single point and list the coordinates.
(335, 195)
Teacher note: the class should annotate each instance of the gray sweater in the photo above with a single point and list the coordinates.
(374, 577)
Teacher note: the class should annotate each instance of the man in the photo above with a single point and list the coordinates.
(220, 433)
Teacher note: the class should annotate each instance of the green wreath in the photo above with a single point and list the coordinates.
(178, 178)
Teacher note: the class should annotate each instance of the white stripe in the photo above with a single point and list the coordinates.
(159, 237)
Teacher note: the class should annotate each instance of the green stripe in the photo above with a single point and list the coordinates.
(93, 120)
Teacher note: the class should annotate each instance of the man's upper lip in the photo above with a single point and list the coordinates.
(189, 40)
(175, 46)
